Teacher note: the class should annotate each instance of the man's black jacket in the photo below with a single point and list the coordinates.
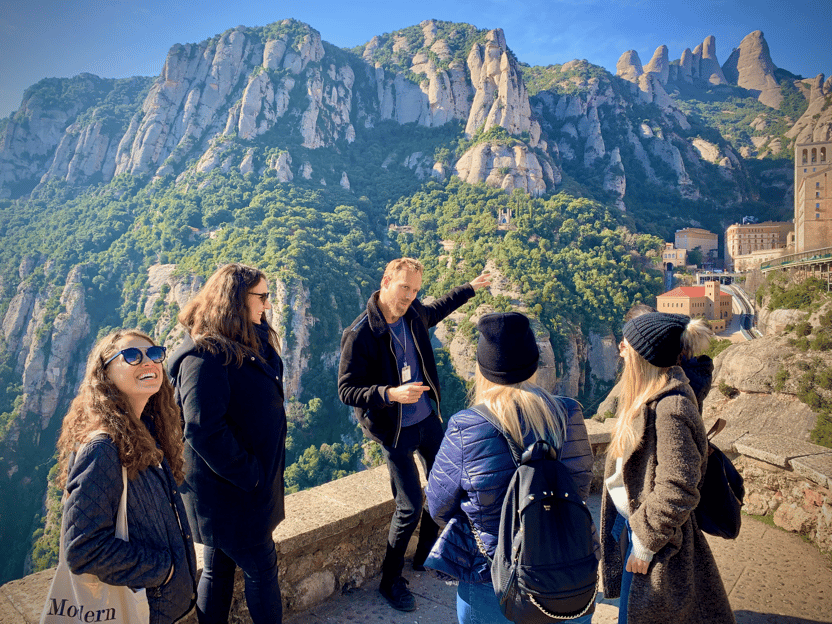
(368, 362)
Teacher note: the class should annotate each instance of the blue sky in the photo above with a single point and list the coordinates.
(118, 38)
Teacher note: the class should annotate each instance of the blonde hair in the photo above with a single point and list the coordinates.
(696, 338)
(640, 381)
(542, 412)
(218, 320)
(101, 406)
(411, 265)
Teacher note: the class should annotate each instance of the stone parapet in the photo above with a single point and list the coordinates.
(789, 480)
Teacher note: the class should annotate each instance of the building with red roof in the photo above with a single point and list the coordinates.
(706, 301)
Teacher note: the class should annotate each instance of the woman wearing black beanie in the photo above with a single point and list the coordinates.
(655, 557)
(470, 476)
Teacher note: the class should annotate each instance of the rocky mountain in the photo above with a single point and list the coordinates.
(750, 67)
(271, 146)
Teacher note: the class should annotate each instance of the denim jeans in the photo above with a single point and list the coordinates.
(216, 586)
(424, 437)
(626, 579)
(476, 603)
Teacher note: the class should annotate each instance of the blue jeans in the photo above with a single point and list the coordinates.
(424, 438)
(476, 603)
(216, 586)
(626, 579)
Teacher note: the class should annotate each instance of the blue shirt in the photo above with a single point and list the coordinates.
(406, 355)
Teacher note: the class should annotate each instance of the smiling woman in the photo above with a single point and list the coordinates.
(125, 418)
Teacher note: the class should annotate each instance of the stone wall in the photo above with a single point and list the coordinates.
(334, 535)
(790, 479)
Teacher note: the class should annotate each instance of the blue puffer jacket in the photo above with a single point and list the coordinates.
(94, 487)
(469, 480)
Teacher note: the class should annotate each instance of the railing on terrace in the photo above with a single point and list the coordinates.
(805, 257)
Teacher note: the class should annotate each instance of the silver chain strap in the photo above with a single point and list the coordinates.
(479, 541)
(553, 616)
(567, 617)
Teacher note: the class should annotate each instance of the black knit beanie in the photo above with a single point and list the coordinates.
(657, 337)
(506, 350)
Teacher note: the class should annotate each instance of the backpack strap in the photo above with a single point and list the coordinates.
(516, 449)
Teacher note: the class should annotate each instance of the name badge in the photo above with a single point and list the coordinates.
(405, 374)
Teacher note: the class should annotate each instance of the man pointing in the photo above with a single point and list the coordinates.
(388, 374)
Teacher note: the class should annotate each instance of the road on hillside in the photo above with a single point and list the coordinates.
(743, 309)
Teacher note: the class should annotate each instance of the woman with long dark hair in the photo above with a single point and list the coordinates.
(125, 416)
(471, 474)
(229, 382)
(655, 557)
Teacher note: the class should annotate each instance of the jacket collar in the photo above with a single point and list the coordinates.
(677, 383)
(375, 318)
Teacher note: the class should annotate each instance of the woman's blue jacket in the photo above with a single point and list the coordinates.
(469, 480)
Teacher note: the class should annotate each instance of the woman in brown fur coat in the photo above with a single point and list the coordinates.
(654, 555)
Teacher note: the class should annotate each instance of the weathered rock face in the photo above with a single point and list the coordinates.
(508, 168)
(294, 299)
(29, 140)
(815, 125)
(750, 67)
(244, 82)
(561, 373)
(705, 64)
(193, 97)
(659, 65)
(500, 97)
(47, 346)
(751, 367)
(629, 66)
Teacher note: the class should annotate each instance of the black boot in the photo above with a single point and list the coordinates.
(393, 586)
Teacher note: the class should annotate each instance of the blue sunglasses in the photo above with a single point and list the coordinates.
(134, 356)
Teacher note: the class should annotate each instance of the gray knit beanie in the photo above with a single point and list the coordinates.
(657, 337)
(507, 351)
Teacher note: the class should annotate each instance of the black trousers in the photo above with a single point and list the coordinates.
(424, 438)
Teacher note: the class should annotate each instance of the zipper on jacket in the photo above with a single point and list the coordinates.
(399, 377)
(425, 372)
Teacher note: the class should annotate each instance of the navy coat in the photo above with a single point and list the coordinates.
(235, 444)
(157, 540)
(469, 481)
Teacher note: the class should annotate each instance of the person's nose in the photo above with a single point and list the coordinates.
(268, 305)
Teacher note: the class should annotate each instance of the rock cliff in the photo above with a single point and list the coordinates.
(815, 125)
(750, 67)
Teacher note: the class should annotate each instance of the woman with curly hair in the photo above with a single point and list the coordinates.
(229, 382)
(125, 415)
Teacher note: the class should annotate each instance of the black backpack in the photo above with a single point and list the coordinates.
(545, 567)
(721, 494)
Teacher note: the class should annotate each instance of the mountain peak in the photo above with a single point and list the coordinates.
(750, 67)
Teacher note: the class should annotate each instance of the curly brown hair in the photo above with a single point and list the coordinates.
(217, 318)
(101, 406)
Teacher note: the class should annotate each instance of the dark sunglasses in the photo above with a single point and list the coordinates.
(263, 296)
(134, 356)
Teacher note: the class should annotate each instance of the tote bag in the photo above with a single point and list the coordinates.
(83, 598)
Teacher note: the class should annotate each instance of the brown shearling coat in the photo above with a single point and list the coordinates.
(662, 477)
